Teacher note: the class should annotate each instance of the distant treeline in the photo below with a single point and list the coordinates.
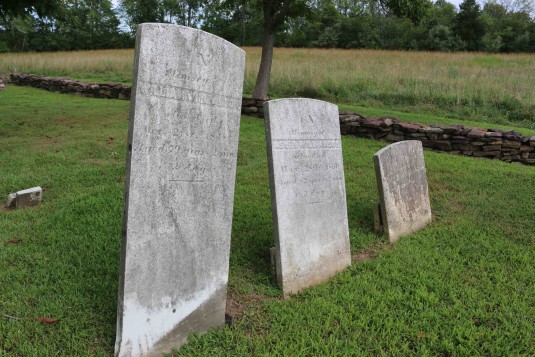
(496, 26)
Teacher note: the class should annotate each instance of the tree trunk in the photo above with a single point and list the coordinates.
(264, 72)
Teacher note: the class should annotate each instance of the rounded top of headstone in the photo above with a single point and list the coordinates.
(400, 145)
(185, 29)
(299, 101)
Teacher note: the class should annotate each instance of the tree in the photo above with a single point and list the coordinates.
(181, 12)
(26, 7)
(241, 25)
(440, 38)
(526, 6)
(277, 12)
(468, 25)
(137, 12)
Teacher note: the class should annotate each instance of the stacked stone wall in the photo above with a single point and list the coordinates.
(253, 107)
(509, 146)
(63, 85)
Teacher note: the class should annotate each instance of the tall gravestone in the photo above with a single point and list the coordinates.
(402, 183)
(308, 197)
(179, 189)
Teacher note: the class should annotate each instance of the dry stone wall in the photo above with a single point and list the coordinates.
(63, 85)
(253, 107)
(509, 146)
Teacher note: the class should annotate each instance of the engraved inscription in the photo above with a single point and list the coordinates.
(180, 76)
(191, 171)
(282, 144)
(308, 122)
(179, 149)
(183, 94)
(309, 179)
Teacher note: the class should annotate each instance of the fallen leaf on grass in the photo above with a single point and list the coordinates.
(421, 335)
(14, 241)
(46, 320)
(109, 140)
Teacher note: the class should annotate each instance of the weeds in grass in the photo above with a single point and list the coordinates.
(490, 88)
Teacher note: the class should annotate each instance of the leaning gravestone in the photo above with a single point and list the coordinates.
(402, 183)
(179, 188)
(308, 197)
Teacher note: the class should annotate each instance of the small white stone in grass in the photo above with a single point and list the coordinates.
(25, 198)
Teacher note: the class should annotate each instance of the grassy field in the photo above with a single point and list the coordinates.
(463, 286)
(475, 86)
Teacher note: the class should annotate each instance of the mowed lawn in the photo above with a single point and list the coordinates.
(463, 286)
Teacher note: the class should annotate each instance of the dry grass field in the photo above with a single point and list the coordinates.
(492, 87)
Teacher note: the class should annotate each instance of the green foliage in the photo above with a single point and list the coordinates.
(468, 25)
(412, 9)
(82, 24)
(441, 38)
(501, 26)
(138, 12)
(26, 7)
(241, 25)
(182, 12)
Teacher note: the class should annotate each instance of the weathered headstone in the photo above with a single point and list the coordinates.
(25, 198)
(179, 188)
(308, 197)
(402, 183)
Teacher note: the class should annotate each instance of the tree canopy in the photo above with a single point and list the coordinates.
(502, 25)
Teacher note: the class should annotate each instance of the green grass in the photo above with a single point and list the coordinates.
(463, 286)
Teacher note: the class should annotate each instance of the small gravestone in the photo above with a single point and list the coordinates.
(2, 85)
(25, 198)
(308, 196)
(404, 206)
(179, 188)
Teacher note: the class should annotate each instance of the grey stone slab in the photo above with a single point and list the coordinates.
(25, 198)
(308, 196)
(403, 192)
(179, 187)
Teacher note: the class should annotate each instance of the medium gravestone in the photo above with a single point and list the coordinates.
(308, 197)
(402, 183)
(179, 188)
